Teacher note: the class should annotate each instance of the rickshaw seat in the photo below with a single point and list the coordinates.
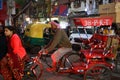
(97, 40)
(97, 53)
(109, 49)
(100, 37)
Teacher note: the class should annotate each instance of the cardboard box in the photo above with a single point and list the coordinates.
(115, 16)
(109, 8)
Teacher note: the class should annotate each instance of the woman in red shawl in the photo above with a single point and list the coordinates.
(16, 54)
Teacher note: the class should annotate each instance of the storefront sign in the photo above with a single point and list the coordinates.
(93, 21)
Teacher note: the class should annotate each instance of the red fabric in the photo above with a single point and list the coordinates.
(16, 53)
(11, 66)
(16, 66)
(15, 46)
(62, 9)
(4, 69)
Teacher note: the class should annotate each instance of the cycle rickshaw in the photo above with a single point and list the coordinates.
(94, 63)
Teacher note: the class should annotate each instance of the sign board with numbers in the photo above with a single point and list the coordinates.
(97, 21)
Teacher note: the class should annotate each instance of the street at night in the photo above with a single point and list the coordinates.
(59, 39)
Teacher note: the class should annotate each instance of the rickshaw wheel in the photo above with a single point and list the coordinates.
(98, 72)
(35, 49)
(67, 61)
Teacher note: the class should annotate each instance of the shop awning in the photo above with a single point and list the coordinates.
(97, 21)
(61, 10)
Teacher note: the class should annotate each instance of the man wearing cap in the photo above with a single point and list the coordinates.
(60, 41)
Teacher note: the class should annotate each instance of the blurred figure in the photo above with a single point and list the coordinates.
(16, 53)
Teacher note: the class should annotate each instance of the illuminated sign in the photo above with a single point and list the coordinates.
(93, 21)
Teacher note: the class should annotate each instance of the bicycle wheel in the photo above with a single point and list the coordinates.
(68, 61)
(98, 72)
(33, 71)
